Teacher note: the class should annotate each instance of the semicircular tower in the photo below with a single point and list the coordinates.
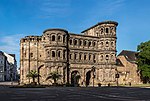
(56, 50)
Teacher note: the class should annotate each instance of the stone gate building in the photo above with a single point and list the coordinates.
(91, 54)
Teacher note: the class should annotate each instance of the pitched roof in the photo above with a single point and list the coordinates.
(129, 55)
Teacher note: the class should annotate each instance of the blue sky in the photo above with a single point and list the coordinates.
(19, 18)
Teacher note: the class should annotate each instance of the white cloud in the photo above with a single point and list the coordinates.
(11, 45)
(50, 8)
(113, 6)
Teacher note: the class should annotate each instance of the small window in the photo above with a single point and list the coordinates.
(53, 38)
(59, 38)
(107, 44)
(101, 30)
(75, 42)
(40, 55)
(112, 43)
(59, 53)
(70, 56)
(80, 42)
(43, 38)
(75, 56)
(64, 38)
(31, 54)
(101, 43)
(80, 56)
(84, 57)
(107, 30)
(107, 57)
(94, 57)
(53, 54)
(90, 57)
(89, 44)
(64, 54)
(94, 43)
(70, 42)
(101, 57)
(84, 43)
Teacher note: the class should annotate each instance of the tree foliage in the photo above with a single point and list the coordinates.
(54, 76)
(144, 60)
(33, 74)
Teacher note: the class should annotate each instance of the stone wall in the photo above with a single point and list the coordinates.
(70, 53)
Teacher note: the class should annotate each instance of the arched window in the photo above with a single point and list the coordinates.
(107, 30)
(47, 52)
(112, 43)
(59, 53)
(89, 56)
(84, 56)
(107, 57)
(80, 42)
(53, 53)
(94, 58)
(107, 44)
(89, 44)
(70, 41)
(94, 43)
(31, 54)
(64, 38)
(75, 56)
(101, 57)
(64, 54)
(53, 38)
(80, 56)
(84, 43)
(70, 56)
(59, 38)
(75, 42)
(102, 30)
(43, 38)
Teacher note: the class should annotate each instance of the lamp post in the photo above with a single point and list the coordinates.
(93, 71)
(117, 76)
(39, 73)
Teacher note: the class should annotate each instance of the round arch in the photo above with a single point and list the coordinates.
(75, 76)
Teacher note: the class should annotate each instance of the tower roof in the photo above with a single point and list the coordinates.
(104, 22)
(51, 29)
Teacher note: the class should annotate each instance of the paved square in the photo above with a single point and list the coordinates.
(75, 94)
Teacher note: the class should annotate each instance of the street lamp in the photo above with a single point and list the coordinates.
(93, 71)
(117, 76)
(39, 73)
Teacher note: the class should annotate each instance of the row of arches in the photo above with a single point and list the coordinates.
(106, 31)
(107, 57)
(83, 56)
(56, 54)
(100, 75)
(56, 37)
(82, 42)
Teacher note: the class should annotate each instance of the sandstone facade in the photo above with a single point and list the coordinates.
(127, 68)
(91, 54)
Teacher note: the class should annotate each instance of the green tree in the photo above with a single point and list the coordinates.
(32, 74)
(54, 76)
(144, 61)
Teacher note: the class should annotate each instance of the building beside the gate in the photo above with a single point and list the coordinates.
(91, 54)
(8, 67)
(127, 68)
